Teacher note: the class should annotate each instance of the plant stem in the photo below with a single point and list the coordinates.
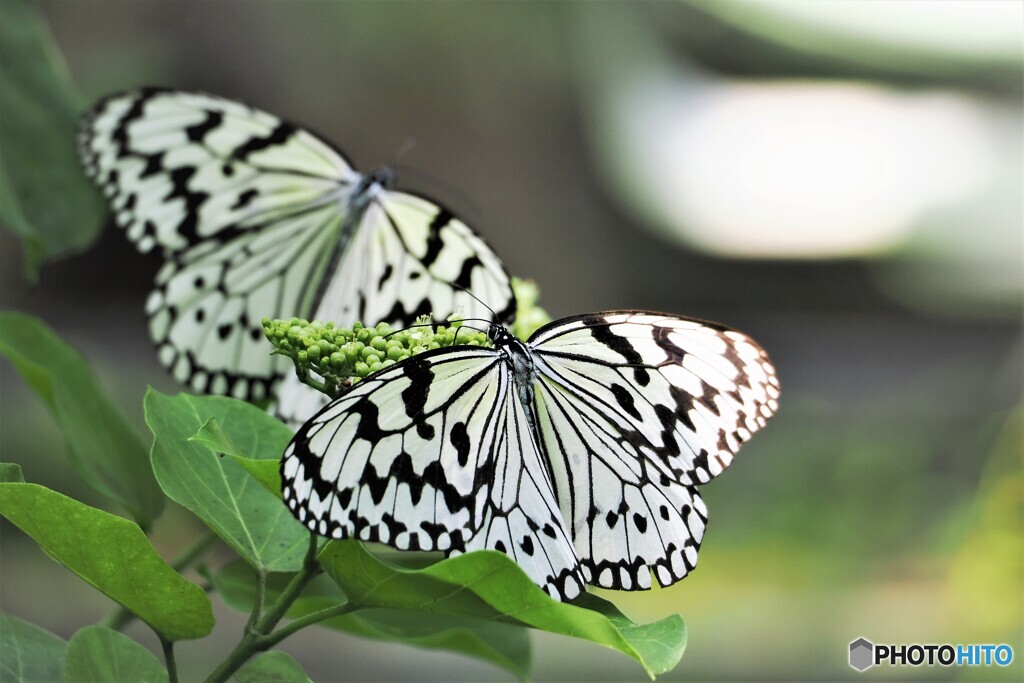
(256, 634)
(172, 667)
(269, 641)
(261, 596)
(310, 570)
(121, 617)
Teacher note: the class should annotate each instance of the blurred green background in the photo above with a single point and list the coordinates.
(841, 180)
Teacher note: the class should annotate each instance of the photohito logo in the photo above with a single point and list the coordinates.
(864, 654)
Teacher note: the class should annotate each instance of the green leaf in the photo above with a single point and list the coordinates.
(219, 490)
(267, 472)
(489, 585)
(272, 667)
(97, 654)
(38, 120)
(503, 645)
(29, 654)
(214, 438)
(103, 448)
(113, 555)
(11, 472)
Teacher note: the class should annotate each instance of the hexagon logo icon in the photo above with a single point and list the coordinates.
(862, 654)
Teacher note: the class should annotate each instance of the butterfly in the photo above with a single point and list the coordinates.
(577, 452)
(257, 217)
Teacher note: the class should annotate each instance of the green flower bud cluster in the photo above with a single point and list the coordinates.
(341, 356)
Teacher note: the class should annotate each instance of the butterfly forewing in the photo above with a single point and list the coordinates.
(181, 167)
(434, 453)
(402, 457)
(683, 393)
(411, 258)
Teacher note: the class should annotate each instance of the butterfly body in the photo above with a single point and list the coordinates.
(519, 358)
(367, 189)
(577, 452)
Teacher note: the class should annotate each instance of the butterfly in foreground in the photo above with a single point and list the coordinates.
(577, 452)
(256, 218)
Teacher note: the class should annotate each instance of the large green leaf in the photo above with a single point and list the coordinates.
(503, 645)
(272, 667)
(29, 654)
(103, 447)
(44, 196)
(489, 585)
(113, 555)
(97, 654)
(219, 490)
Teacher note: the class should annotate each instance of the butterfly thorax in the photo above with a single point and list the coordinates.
(519, 356)
(370, 186)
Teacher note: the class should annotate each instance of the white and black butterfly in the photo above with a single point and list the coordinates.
(260, 218)
(577, 453)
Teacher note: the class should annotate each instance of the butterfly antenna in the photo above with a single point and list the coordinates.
(432, 181)
(494, 315)
(459, 329)
(409, 327)
(404, 149)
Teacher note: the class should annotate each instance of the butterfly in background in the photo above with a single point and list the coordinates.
(257, 217)
(577, 453)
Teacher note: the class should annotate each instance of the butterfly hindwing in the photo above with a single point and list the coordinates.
(627, 519)
(206, 309)
(522, 518)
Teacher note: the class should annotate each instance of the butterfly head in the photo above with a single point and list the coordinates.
(499, 335)
(370, 187)
(383, 176)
